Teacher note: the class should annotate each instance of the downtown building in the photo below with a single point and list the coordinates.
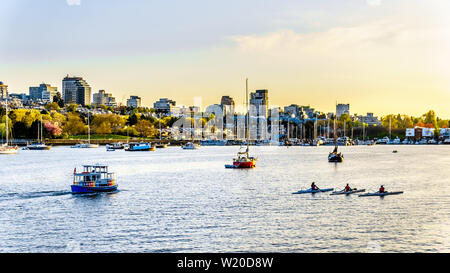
(227, 104)
(342, 109)
(259, 110)
(165, 106)
(134, 102)
(43, 92)
(76, 90)
(103, 98)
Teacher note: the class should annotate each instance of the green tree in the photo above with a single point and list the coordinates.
(145, 128)
(74, 125)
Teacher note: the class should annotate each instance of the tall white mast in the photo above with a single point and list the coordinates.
(7, 130)
(248, 113)
(89, 130)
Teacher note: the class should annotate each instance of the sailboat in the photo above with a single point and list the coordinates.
(243, 159)
(40, 144)
(87, 145)
(6, 148)
(335, 156)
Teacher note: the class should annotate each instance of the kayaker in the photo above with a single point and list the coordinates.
(381, 190)
(314, 187)
(347, 188)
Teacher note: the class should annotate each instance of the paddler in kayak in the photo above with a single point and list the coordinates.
(314, 187)
(381, 190)
(347, 188)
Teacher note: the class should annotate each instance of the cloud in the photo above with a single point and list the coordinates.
(73, 2)
(373, 2)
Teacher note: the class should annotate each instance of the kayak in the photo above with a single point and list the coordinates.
(312, 191)
(347, 193)
(381, 194)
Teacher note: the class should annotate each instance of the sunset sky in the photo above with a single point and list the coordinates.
(381, 56)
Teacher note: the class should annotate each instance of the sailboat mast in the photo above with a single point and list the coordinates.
(7, 130)
(42, 132)
(89, 130)
(248, 113)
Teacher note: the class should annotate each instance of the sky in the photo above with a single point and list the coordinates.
(381, 56)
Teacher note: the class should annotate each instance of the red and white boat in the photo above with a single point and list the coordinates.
(243, 159)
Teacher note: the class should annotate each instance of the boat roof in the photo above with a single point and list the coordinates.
(96, 166)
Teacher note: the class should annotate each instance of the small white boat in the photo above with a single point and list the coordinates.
(190, 146)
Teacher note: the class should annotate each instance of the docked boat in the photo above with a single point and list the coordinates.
(384, 140)
(243, 159)
(139, 147)
(190, 146)
(88, 144)
(161, 146)
(85, 145)
(5, 148)
(115, 146)
(39, 146)
(93, 178)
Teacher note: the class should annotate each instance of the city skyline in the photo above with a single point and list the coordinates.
(378, 56)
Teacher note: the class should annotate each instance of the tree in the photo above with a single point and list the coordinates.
(74, 125)
(57, 98)
(132, 120)
(52, 106)
(107, 123)
(72, 108)
(145, 128)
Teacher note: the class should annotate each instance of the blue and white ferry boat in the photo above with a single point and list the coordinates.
(94, 178)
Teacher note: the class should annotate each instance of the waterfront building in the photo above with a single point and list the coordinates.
(76, 90)
(369, 119)
(3, 90)
(103, 98)
(164, 106)
(43, 92)
(134, 102)
(342, 109)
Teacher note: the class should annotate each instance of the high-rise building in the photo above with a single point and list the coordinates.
(3, 90)
(164, 106)
(260, 100)
(103, 98)
(227, 104)
(44, 92)
(259, 109)
(134, 101)
(342, 109)
(76, 90)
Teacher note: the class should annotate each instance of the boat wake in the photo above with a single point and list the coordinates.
(28, 195)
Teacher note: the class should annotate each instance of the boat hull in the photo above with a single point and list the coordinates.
(39, 148)
(82, 189)
(380, 194)
(244, 165)
(312, 191)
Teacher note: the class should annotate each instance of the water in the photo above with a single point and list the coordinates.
(175, 200)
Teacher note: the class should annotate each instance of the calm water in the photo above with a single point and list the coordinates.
(175, 200)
